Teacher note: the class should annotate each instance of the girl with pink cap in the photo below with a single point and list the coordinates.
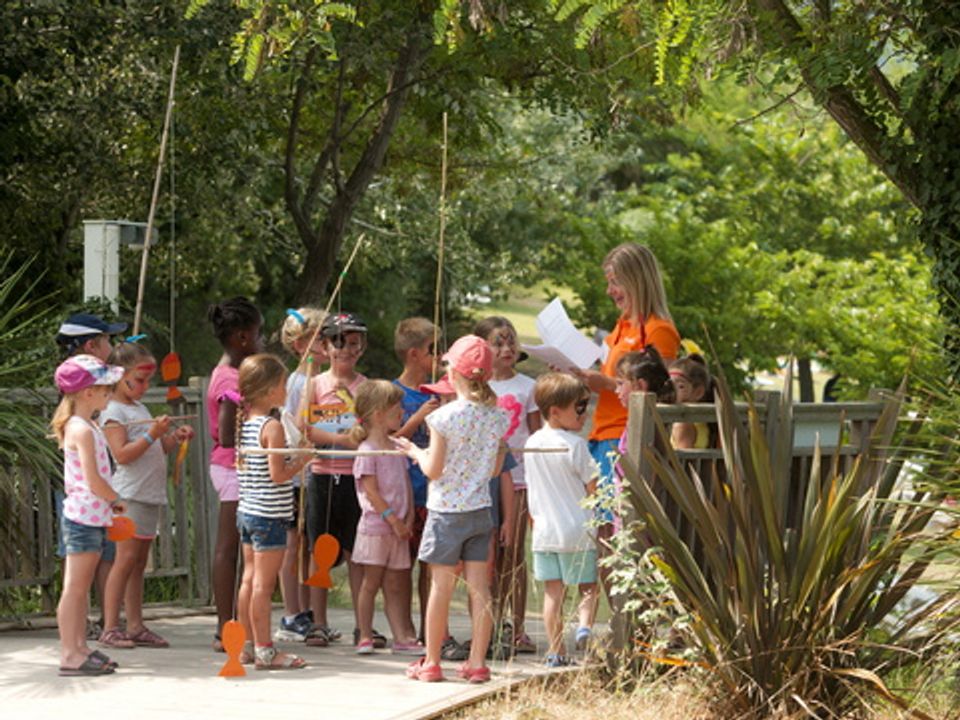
(86, 383)
(465, 451)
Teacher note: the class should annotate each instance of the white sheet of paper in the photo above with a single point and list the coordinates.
(563, 345)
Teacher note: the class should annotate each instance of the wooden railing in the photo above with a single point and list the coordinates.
(183, 549)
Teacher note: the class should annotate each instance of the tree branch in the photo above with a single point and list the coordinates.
(300, 219)
(840, 102)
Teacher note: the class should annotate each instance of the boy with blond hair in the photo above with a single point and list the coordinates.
(413, 341)
(564, 550)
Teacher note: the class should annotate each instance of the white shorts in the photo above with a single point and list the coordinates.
(225, 482)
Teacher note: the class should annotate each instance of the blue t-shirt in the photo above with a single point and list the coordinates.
(412, 400)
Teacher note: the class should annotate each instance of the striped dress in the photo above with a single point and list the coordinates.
(259, 495)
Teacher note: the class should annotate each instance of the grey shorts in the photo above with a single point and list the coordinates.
(449, 538)
(146, 518)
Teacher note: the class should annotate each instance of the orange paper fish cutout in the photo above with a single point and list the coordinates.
(123, 528)
(170, 372)
(233, 637)
(325, 552)
(178, 463)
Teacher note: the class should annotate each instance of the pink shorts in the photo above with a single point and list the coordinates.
(387, 551)
(225, 482)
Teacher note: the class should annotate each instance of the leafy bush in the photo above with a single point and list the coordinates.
(792, 609)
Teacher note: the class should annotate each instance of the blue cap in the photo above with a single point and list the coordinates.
(82, 327)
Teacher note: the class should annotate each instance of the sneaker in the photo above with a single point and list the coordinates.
(294, 630)
(365, 647)
(454, 651)
(583, 638)
(415, 649)
(558, 661)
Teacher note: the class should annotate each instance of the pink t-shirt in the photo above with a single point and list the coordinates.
(333, 410)
(81, 504)
(223, 380)
(393, 483)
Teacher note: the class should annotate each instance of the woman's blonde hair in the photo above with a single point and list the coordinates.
(300, 324)
(64, 411)
(636, 270)
(372, 396)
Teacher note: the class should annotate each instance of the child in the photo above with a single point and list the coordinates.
(563, 549)
(413, 343)
(236, 324)
(332, 505)
(464, 453)
(693, 385)
(382, 547)
(82, 333)
(266, 503)
(299, 329)
(85, 382)
(515, 392)
(139, 447)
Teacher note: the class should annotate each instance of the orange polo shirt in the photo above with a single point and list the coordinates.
(610, 417)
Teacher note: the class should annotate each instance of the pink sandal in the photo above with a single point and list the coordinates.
(419, 670)
(474, 675)
(116, 638)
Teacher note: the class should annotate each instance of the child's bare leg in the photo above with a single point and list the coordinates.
(289, 585)
(367, 597)
(355, 578)
(442, 580)
(553, 591)
(225, 561)
(133, 595)
(518, 575)
(396, 605)
(266, 567)
(79, 569)
(245, 596)
(587, 609)
(318, 601)
(475, 575)
(120, 573)
(100, 578)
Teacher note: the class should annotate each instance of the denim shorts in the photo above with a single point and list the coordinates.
(263, 533)
(449, 537)
(572, 568)
(109, 552)
(79, 538)
(604, 452)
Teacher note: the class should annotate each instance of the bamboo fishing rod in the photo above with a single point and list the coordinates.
(374, 453)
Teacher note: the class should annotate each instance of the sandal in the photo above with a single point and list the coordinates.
(116, 638)
(99, 657)
(269, 658)
(148, 638)
(523, 644)
(317, 637)
(453, 651)
(89, 667)
(474, 675)
(419, 670)
(247, 655)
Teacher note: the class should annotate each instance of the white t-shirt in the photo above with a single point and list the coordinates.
(472, 432)
(145, 479)
(556, 489)
(520, 389)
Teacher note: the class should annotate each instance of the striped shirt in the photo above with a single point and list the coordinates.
(259, 495)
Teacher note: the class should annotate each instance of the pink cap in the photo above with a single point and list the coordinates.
(471, 357)
(443, 386)
(82, 371)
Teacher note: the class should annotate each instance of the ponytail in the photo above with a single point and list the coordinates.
(479, 391)
(61, 415)
(372, 396)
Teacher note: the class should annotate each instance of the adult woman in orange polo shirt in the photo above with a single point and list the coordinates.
(636, 287)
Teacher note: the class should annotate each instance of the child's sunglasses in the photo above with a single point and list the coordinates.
(581, 406)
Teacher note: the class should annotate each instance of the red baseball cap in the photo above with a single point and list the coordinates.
(443, 386)
(471, 357)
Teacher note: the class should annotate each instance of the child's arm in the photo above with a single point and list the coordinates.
(683, 435)
(227, 419)
(371, 489)
(171, 440)
(430, 459)
(82, 439)
(417, 418)
(507, 508)
(411, 510)
(282, 467)
(591, 486)
(126, 451)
